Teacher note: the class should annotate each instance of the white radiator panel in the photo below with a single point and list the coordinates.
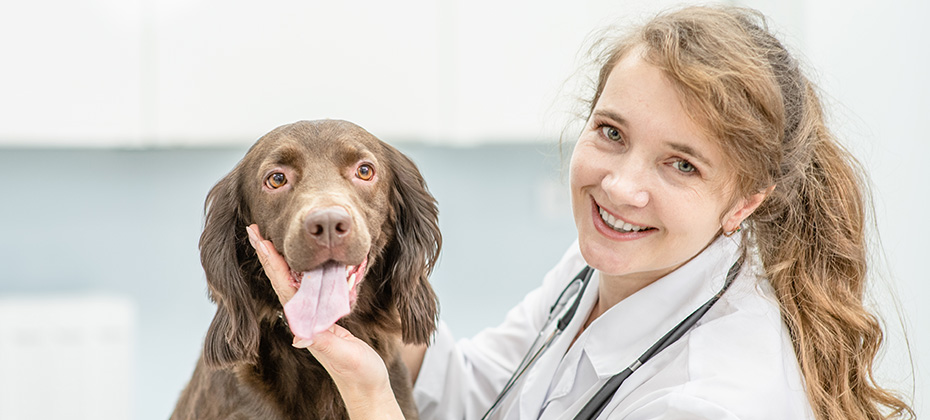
(66, 357)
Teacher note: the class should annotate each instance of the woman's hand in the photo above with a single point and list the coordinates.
(358, 372)
(275, 267)
(355, 367)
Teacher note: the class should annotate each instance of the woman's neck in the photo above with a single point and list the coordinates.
(613, 289)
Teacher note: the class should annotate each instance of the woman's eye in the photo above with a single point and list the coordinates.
(276, 180)
(612, 133)
(684, 166)
(365, 172)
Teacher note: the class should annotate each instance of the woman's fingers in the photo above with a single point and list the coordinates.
(348, 359)
(276, 268)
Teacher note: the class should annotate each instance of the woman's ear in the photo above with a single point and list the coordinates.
(744, 208)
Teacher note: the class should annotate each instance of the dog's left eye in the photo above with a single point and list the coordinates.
(276, 180)
(365, 172)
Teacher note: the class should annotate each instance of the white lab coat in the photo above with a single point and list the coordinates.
(737, 362)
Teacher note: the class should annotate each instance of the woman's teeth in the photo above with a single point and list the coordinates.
(617, 225)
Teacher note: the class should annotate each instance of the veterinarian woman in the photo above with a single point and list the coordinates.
(704, 170)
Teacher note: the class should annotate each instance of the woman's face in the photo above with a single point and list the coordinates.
(649, 190)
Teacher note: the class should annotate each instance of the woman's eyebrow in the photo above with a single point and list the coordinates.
(688, 150)
(611, 115)
(679, 147)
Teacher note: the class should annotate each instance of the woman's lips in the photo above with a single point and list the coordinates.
(627, 231)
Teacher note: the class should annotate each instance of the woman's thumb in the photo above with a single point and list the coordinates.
(322, 345)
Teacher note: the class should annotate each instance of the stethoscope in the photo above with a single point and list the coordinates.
(576, 287)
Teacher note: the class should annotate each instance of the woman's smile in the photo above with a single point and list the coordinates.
(615, 227)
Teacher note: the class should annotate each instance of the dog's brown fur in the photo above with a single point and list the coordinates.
(249, 369)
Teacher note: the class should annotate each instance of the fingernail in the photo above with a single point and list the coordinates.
(256, 244)
(302, 343)
(252, 238)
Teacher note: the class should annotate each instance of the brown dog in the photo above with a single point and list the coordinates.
(327, 194)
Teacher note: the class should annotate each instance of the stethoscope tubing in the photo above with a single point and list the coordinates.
(584, 277)
(599, 401)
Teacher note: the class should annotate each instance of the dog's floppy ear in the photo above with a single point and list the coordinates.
(234, 333)
(414, 249)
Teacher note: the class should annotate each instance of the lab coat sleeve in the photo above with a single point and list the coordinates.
(460, 380)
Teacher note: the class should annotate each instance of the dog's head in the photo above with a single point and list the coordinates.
(324, 192)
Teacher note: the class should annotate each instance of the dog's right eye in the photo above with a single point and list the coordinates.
(365, 172)
(276, 180)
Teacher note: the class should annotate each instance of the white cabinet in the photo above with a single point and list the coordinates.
(235, 70)
(70, 72)
(66, 357)
(172, 72)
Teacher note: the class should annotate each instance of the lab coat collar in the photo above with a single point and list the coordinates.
(622, 333)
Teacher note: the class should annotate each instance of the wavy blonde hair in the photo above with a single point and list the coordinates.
(745, 89)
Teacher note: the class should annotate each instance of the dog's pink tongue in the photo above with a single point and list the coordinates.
(323, 298)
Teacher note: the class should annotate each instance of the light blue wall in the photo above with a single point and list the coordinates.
(127, 222)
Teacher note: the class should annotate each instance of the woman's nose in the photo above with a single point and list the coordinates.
(628, 184)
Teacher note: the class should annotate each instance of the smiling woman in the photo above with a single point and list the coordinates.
(801, 193)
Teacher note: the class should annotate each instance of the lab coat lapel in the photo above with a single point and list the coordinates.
(535, 389)
(667, 302)
(580, 403)
(648, 314)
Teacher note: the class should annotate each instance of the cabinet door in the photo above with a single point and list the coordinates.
(233, 70)
(70, 72)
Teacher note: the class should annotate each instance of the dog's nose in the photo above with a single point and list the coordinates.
(329, 226)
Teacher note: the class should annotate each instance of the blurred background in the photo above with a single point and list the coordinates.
(117, 116)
